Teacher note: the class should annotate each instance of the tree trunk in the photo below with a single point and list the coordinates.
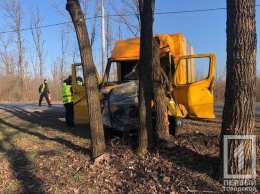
(96, 125)
(146, 8)
(21, 65)
(160, 107)
(15, 13)
(239, 108)
(36, 32)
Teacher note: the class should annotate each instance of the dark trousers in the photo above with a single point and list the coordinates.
(69, 116)
(44, 94)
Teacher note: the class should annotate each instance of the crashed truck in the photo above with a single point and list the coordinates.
(188, 79)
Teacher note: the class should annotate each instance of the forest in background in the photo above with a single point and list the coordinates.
(11, 90)
(24, 62)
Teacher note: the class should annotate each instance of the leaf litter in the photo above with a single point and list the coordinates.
(39, 154)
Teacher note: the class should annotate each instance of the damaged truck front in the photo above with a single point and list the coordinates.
(188, 80)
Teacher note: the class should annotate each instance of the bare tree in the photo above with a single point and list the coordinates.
(219, 85)
(109, 36)
(35, 24)
(239, 108)
(96, 125)
(7, 57)
(129, 16)
(13, 11)
(86, 6)
(93, 29)
(75, 52)
(61, 65)
(8, 69)
(55, 70)
(145, 69)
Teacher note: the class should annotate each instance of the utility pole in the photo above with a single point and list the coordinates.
(103, 39)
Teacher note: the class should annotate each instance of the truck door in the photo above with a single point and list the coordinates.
(193, 84)
(81, 115)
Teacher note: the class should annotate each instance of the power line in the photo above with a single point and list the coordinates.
(158, 13)
(31, 28)
(190, 11)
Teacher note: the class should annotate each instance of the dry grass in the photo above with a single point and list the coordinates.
(38, 154)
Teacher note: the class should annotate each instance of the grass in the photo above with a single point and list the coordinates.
(77, 177)
(39, 154)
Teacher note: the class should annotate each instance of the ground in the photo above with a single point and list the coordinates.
(39, 154)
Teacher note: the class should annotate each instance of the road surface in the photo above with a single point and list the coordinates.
(219, 108)
(58, 107)
(32, 107)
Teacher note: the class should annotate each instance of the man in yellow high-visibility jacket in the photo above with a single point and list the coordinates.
(44, 91)
(67, 98)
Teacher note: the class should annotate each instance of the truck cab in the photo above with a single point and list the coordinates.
(188, 80)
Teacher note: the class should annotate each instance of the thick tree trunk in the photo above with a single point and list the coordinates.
(96, 125)
(160, 107)
(239, 108)
(146, 8)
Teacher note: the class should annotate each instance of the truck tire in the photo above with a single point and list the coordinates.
(176, 125)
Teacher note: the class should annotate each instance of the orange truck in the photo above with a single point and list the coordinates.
(188, 79)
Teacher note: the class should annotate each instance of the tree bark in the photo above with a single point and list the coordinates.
(160, 107)
(96, 125)
(146, 8)
(239, 108)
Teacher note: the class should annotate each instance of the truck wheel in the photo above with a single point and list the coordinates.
(176, 125)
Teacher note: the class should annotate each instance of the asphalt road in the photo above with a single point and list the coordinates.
(32, 107)
(219, 108)
(58, 107)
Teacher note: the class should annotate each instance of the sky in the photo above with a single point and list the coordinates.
(205, 29)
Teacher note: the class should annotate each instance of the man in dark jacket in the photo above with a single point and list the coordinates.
(44, 91)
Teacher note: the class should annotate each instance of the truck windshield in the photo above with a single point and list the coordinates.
(130, 71)
(123, 71)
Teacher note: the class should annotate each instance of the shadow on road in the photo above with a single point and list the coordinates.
(43, 137)
(46, 117)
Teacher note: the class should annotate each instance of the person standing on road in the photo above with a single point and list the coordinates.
(67, 98)
(44, 91)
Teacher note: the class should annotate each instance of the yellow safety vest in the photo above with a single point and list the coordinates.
(43, 87)
(80, 83)
(67, 95)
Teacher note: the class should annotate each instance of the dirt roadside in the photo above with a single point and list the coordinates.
(39, 154)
